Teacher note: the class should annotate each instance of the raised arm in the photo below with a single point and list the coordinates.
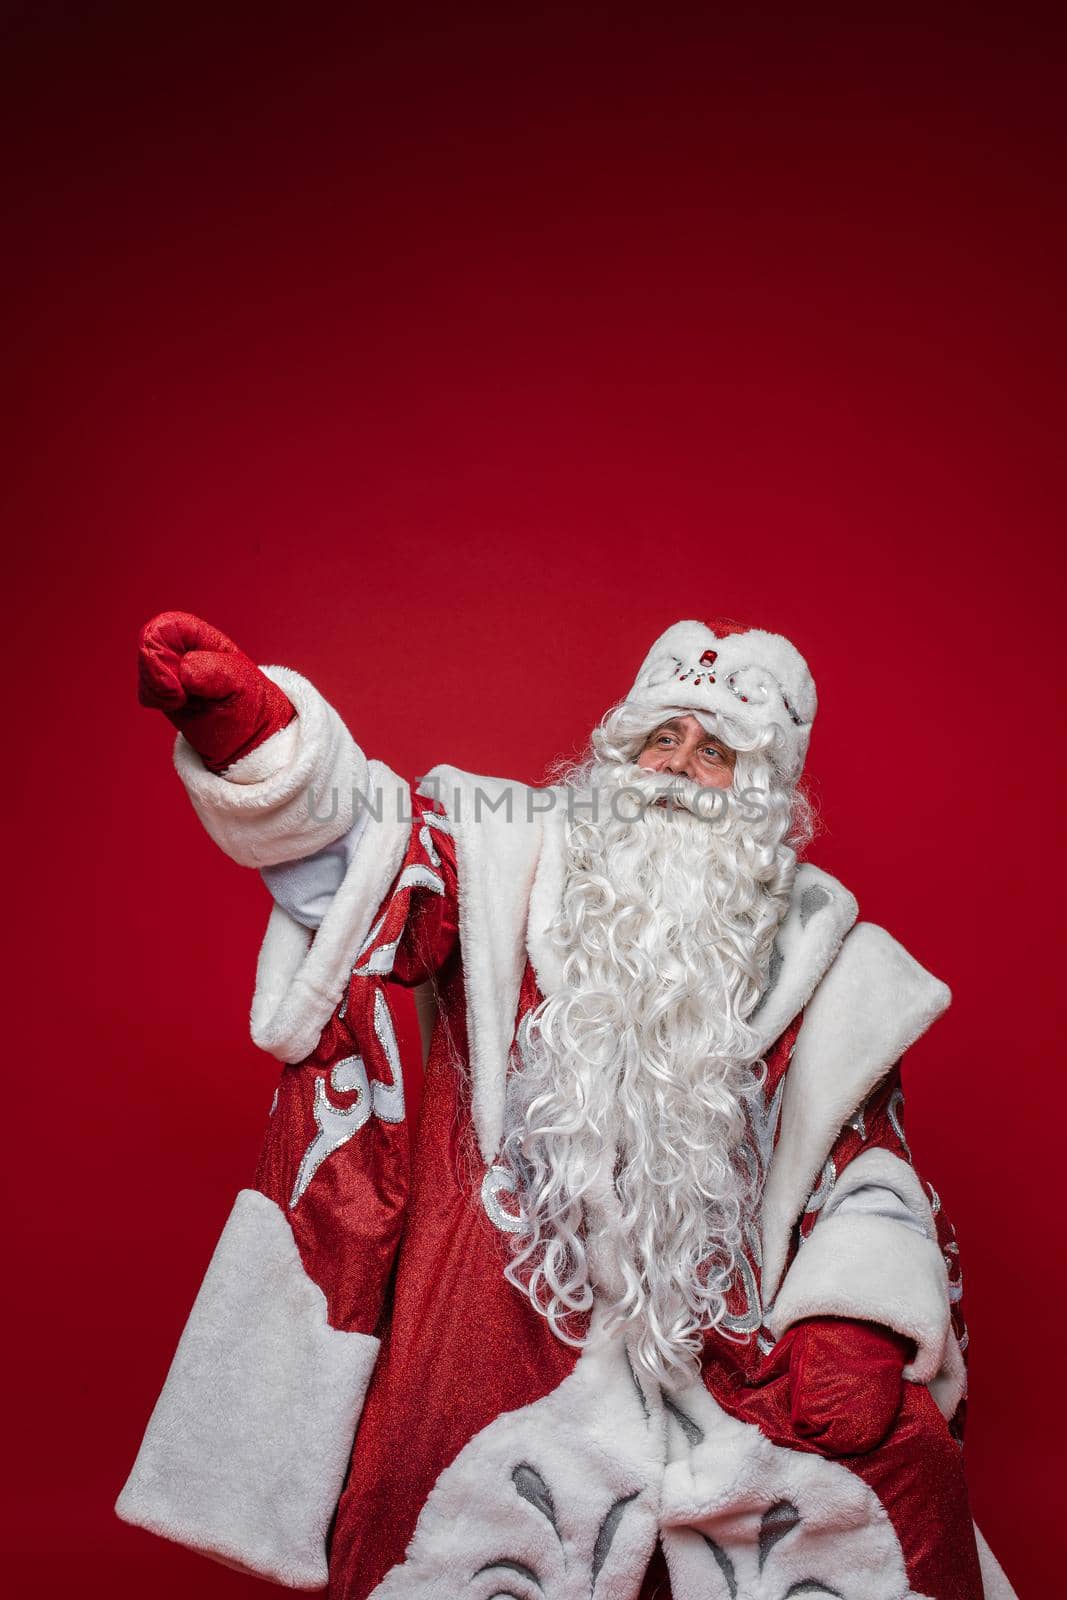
(280, 784)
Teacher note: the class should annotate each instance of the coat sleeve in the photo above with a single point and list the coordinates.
(247, 1449)
(299, 792)
(330, 831)
(874, 1244)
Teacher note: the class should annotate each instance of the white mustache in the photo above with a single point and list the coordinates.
(670, 792)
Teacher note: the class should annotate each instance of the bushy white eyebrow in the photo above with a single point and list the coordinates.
(674, 725)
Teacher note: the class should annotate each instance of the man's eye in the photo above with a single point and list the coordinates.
(710, 750)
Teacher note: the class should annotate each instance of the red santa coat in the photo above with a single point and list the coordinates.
(361, 1398)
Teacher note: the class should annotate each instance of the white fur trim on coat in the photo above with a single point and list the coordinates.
(870, 1269)
(498, 828)
(994, 1580)
(873, 1003)
(300, 980)
(880, 1173)
(271, 757)
(546, 898)
(246, 1451)
(262, 814)
(821, 912)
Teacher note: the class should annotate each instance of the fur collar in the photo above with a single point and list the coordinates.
(873, 1002)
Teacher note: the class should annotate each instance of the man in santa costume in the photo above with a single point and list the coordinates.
(655, 1303)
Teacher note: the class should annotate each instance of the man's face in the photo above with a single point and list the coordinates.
(682, 748)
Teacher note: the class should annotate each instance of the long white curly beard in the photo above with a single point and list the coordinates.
(625, 1116)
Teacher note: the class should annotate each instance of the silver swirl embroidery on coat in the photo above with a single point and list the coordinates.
(824, 1188)
(750, 1317)
(894, 1111)
(387, 1098)
(427, 844)
(951, 1254)
(763, 1125)
(379, 963)
(498, 1181)
(765, 1339)
(337, 1124)
(419, 877)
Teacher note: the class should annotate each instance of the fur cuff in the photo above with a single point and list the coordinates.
(880, 1173)
(872, 1269)
(294, 795)
(246, 1451)
(879, 1183)
(299, 981)
(268, 759)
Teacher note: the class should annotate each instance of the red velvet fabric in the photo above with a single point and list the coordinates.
(348, 1221)
(723, 627)
(917, 1473)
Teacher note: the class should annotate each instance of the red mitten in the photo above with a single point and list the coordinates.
(212, 692)
(845, 1381)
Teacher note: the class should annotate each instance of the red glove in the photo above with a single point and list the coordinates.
(212, 692)
(845, 1381)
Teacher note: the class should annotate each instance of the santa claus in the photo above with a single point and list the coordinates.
(655, 1302)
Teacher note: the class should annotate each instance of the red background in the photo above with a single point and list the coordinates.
(448, 359)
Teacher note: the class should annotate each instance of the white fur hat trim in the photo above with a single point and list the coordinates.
(750, 677)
